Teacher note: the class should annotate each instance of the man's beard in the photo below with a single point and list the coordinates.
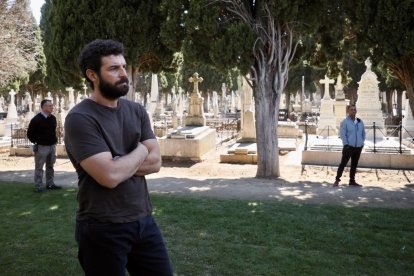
(114, 91)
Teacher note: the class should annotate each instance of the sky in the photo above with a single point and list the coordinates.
(36, 5)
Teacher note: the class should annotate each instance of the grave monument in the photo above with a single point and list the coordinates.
(326, 123)
(368, 104)
(195, 139)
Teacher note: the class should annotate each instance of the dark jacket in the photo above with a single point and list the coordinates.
(42, 131)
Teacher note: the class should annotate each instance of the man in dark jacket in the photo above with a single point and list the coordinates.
(353, 137)
(42, 133)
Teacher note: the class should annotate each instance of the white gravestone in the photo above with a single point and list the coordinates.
(368, 104)
(30, 114)
(223, 96)
(12, 116)
(215, 105)
(340, 102)
(248, 126)
(71, 97)
(326, 123)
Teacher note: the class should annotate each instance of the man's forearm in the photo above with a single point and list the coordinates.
(151, 164)
(109, 172)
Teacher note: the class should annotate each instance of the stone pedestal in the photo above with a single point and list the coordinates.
(195, 110)
(340, 111)
(6, 128)
(408, 122)
(195, 115)
(240, 153)
(327, 123)
(188, 143)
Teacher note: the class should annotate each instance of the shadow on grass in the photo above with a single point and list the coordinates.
(209, 236)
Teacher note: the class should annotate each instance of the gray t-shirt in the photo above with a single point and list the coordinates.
(91, 128)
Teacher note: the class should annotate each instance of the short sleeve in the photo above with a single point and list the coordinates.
(146, 131)
(83, 137)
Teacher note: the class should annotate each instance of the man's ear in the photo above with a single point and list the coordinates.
(92, 76)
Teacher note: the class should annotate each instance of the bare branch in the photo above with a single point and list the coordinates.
(17, 43)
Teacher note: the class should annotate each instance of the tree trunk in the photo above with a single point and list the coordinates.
(388, 94)
(267, 102)
(272, 52)
(404, 71)
(131, 70)
(399, 103)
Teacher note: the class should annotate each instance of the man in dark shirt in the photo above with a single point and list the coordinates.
(42, 133)
(110, 143)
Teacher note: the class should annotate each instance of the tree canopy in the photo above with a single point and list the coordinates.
(262, 38)
(68, 25)
(382, 29)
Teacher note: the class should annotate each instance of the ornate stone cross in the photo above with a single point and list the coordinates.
(195, 79)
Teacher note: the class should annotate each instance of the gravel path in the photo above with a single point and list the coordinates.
(381, 188)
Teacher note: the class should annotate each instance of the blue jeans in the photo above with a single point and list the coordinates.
(110, 248)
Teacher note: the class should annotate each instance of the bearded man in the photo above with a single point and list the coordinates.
(110, 143)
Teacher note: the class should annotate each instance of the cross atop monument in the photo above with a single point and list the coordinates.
(326, 81)
(368, 63)
(195, 79)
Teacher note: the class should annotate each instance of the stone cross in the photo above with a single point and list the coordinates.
(368, 63)
(195, 79)
(12, 93)
(326, 81)
(12, 116)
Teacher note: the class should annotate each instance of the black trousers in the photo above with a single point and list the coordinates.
(349, 152)
(112, 248)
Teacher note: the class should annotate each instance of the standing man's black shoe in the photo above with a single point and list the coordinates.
(53, 187)
(354, 184)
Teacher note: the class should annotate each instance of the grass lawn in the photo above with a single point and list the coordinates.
(208, 236)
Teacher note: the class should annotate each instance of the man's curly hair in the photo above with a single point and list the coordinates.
(90, 57)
